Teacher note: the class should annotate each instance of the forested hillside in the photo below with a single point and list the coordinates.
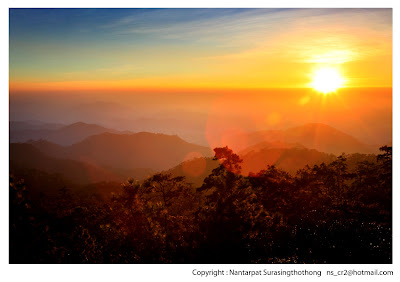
(328, 213)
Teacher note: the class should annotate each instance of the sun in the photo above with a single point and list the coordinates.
(327, 80)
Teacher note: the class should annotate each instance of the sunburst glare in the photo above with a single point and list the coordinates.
(327, 80)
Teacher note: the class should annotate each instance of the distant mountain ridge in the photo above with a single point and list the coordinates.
(126, 151)
(63, 135)
(190, 170)
(320, 137)
(34, 125)
(289, 159)
(270, 145)
(26, 156)
(110, 156)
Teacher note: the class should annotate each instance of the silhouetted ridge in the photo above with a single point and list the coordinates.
(126, 151)
(289, 159)
(64, 135)
(144, 149)
(26, 156)
(318, 136)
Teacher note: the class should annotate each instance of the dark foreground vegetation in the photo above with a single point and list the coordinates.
(329, 213)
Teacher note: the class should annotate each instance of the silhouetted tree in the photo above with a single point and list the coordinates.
(338, 212)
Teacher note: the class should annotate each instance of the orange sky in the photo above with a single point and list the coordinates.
(75, 50)
(176, 70)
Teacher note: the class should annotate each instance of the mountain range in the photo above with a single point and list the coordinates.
(290, 159)
(99, 154)
(24, 156)
(321, 137)
(60, 134)
(126, 151)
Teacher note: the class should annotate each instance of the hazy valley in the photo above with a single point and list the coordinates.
(87, 153)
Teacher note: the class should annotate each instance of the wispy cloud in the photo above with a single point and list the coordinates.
(239, 47)
(201, 24)
(231, 24)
